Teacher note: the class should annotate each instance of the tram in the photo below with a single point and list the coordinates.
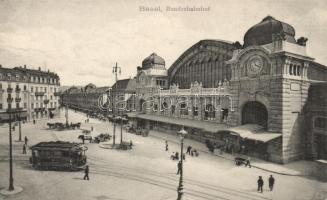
(58, 155)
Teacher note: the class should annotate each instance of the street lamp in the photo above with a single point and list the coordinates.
(115, 70)
(182, 133)
(10, 111)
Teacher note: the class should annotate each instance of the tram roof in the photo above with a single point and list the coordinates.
(57, 145)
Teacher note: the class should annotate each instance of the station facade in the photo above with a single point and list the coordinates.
(262, 98)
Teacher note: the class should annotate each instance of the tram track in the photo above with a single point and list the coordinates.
(193, 187)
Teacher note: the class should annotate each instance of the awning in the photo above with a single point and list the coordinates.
(213, 127)
(254, 132)
(5, 115)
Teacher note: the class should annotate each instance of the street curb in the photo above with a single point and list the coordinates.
(254, 166)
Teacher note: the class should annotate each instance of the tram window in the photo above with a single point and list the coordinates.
(65, 153)
(57, 153)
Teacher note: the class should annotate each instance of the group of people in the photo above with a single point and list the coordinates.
(271, 181)
(189, 150)
(192, 151)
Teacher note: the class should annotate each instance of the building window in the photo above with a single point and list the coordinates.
(17, 105)
(9, 105)
(32, 105)
(183, 110)
(0, 105)
(298, 70)
(291, 69)
(209, 112)
(25, 105)
(195, 111)
(224, 113)
(24, 87)
(32, 88)
(320, 123)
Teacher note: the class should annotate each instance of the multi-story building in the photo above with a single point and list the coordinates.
(35, 91)
(256, 98)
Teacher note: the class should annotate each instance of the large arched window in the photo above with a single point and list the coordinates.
(209, 112)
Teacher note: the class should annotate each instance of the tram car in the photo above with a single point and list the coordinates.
(58, 155)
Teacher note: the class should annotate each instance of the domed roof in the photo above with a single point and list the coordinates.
(152, 60)
(265, 31)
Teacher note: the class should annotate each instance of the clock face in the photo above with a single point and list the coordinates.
(255, 65)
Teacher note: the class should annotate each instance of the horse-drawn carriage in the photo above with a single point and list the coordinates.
(62, 126)
(143, 132)
(58, 156)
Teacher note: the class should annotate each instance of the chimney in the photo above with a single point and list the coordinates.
(24, 66)
(0, 66)
(39, 68)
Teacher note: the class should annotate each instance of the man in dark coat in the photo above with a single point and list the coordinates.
(189, 148)
(260, 184)
(179, 167)
(24, 149)
(86, 171)
(271, 181)
(166, 145)
(26, 140)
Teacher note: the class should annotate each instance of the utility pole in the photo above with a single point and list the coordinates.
(115, 70)
(66, 114)
(11, 179)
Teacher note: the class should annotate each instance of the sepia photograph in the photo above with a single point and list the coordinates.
(163, 100)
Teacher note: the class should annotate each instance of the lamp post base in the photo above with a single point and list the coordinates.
(8, 192)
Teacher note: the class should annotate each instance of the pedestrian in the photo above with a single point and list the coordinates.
(271, 181)
(179, 167)
(248, 162)
(83, 139)
(188, 151)
(130, 144)
(33, 121)
(86, 173)
(71, 164)
(24, 149)
(26, 140)
(192, 152)
(91, 128)
(13, 128)
(166, 145)
(260, 184)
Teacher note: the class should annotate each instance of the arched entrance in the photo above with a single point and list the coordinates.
(255, 113)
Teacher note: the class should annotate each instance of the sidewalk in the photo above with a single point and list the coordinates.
(299, 168)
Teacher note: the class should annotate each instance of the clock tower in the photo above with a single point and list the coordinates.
(269, 85)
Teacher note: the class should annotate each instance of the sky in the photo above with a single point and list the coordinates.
(81, 40)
